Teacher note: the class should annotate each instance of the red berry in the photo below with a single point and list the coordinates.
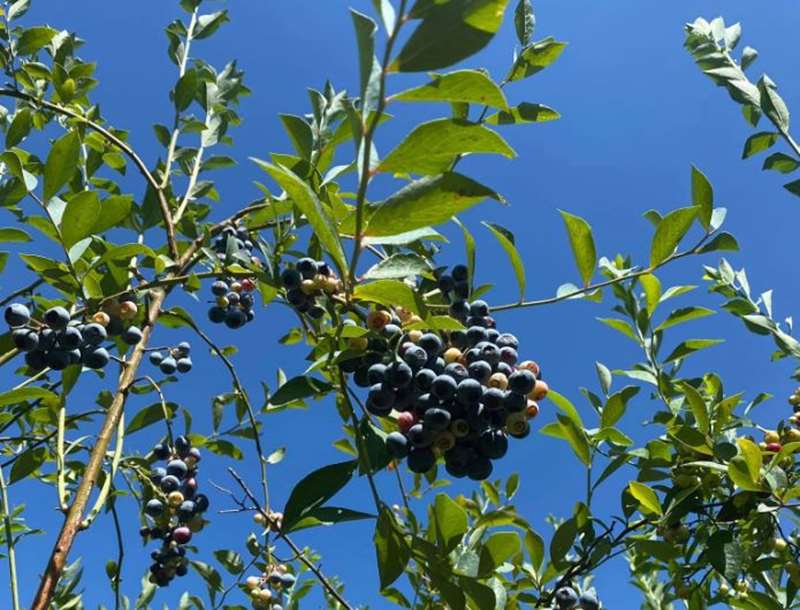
(774, 447)
(405, 420)
(182, 535)
(248, 285)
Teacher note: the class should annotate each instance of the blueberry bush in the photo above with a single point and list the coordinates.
(429, 382)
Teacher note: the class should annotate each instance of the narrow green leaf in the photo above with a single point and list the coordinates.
(300, 134)
(576, 438)
(702, 196)
(311, 207)
(690, 346)
(721, 241)
(772, 103)
(523, 113)
(536, 58)
(313, 490)
(365, 38)
(698, 407)
(752, 455)
(524, 22)
(398, 266)
(670, 231)
(431, 147)
(582, 242)
(646, 497)
(685, 314)
(758, 142)
(506, 239)
(20, 127)
(793, 187)
(621, 326)
(150, 415)
(652, 292)
(781, 162)
(13, 235)
(451, 522)
(563, 403)
(298, 388)
(62, 161)
(185, 90)
(391, 549)
(390, 293)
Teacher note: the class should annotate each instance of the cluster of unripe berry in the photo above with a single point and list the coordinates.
(266, 591)
(175, 359)
(568, 599)
(233, 303)
(175, 511)
(57, 341)
(458, 395)
(235, 240)
(306, 283)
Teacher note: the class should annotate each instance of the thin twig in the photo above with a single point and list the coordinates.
(12, 557)
(117, 580)
(24, 290)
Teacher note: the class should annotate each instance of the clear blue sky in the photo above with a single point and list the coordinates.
(636, 113)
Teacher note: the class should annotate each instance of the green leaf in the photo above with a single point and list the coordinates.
(208, 24)
(758, 142)
(220, 446)
(390, 293)
(524, 22)
(576, 438)
(772, 103)
(329, 515)
(299, 133)
(582, 242)
(16, 397)
(80, 216)
(781, 162)
(398, 266)
(20, 127)
(113, 211)
(311, 207)
(506, 239)
(536, 58)
(298, 388)
(150, 415)
(646, 497)
(562, 542)
(231, 561)
(185, 90)
(563, 403)
(432, 147)
(469, 249)
(702, 196)
(450, 31)
(13, 235)
(691, 346)
(62, 161)
(535, 546)
(34, 39)
(669, 232)
(423, 203)
(451, 521)
(698, 407)
(685, 314)
(793, 187)
(467, 86)
(27, 463)
(523, 113)
(752, 456)
(498, 549)
(721, 241)
(739, 473)
(391, 549)
(616, 405)
(652, 292)
(365, 37)
(314, 490)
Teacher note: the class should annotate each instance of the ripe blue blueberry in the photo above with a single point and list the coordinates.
(233, 298)
(186, 510)
(361, 377)
(521, 432)
(182, 445)
(508, 355)
(47, 339)
(431, 343)
(502, 367)
(460, 273)
(397, 444)
(476, 334)
(493, 398)
(170, 483)
(177, 468)
(443, 387)
(58, 359)
(380, 398)
(436, 419)
(17, 314)
(469, 391)
(492, 334)
(154, 507)
(96, 358)
(75, 356)
(399, 374)
(391, 330)
(161, 451)
(201, 503)
(156, 358)
(419, 436)
(132, 335)
(184, 365)
(157, 473)
(403, 398)
(36, 360)
(316, 312)
(421, 459)
(588, 601)
(480, 371)
(415, 356)
(461, 290)
(490, 353)
(423, 379)
(376, 373)
(219, 288)
(521, 381)
(56, 318)
(183, 348)
(25, 339)
(217, 314)
(458, 338)
(457, 371)
(235, 318)
(446, 283)
(307, 267)
(291, 278)
(493, 444)
(507, 340)
(514, 403)
(480, 468)
(459, 309)
(479, 309)
(437, 365)
(168, 365)
(566, 598)
(70, 338)
(94, 333)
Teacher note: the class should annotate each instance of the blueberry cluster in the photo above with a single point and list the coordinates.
(176, 359)
(459, 394)
(234, 302)
(234, 242)
(306, 283)
(175, 512)
(57, 341)
(568, 599)
(266, 591)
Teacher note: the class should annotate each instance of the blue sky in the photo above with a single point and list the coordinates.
(636, 113)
